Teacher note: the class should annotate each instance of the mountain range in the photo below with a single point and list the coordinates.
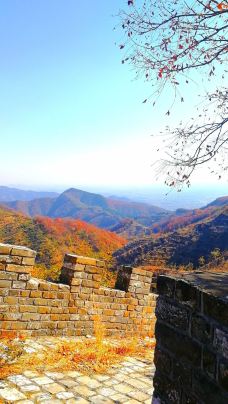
(12, 194)
(92, 208)
(55, 224)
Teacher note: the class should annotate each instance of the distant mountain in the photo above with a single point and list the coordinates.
(36, 207)
(13, 194)
(184, 217)
(92, 208)
(180, 247)
(222, 201)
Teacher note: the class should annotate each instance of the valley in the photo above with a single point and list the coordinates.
(115, 229)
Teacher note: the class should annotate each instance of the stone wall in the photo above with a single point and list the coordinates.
(38, 307)
(191, 355)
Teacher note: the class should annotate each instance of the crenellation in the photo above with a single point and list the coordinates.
(37, 307)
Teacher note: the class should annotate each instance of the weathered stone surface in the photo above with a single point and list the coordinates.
(166, 390)
(187, 294)
(18, 268)
(216, 308)
(192, 361)
(221, 342)
(183, 346)
(166, 286)
(207, 391)
(46, 308)
(223, 374)
(200, 328)
(209, 362)
(22, 251)
(173, 314)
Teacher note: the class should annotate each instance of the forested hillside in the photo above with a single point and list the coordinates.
(52, 238)
(188, 245)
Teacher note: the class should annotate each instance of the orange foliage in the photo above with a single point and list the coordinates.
(175, 222)
(52, 238)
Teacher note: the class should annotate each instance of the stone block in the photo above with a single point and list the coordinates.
(97, 277)
(43, 309)
(92, 269)
(18, 268)
(33, 284)
(49, 295)
(30, 316)
(181, 345)
(28, 309)
(11, 300)
(5, 283)
(54, 286)
(22, 251)
(44, 286)
(5, 248)
(18, 285)
(41, 302)
(24, 293)
(76, 282)
(90, 284)
(201, 328)
(171, 313)
(35, 293)
(77, 259)
(8, 259)
(206, 391)
(74, 289)
(216, 308)
(30, 261)
(23, 277)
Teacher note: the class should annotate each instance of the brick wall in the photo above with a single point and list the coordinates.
(38, 307)
(191, 355)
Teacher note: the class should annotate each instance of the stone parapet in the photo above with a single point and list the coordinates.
(36, 307)
(191, 355)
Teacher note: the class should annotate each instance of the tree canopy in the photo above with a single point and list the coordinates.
(166, 41)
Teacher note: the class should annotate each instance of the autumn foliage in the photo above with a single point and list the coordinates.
(52, 238)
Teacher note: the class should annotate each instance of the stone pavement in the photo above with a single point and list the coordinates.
(129, 382)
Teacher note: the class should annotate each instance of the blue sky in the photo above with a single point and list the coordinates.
(70, 113)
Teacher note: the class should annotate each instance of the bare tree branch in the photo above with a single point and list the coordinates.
(166, 40)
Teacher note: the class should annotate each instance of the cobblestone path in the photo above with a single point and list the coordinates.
(129, 382)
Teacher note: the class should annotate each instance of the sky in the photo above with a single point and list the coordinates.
(70, 113)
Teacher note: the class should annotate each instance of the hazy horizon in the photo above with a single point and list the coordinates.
(157, 194)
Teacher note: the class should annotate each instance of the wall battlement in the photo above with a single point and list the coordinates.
(36, 307)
